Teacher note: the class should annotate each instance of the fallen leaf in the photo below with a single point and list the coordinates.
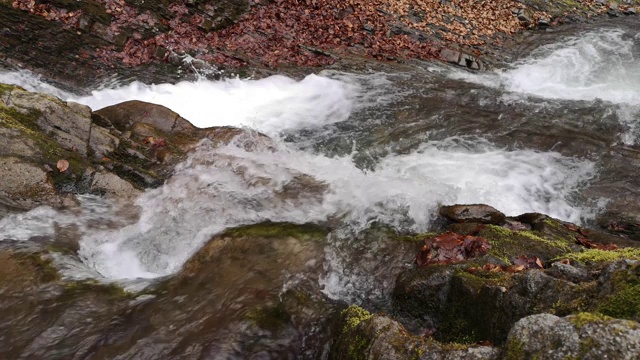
(451, 247)
(62, 165)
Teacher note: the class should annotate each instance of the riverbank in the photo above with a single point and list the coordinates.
(80, 44)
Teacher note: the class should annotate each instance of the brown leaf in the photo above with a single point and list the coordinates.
(451, 247)
(62, 165)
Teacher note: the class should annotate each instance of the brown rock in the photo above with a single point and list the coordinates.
(450, 56)
(124, 115)
(484, 214)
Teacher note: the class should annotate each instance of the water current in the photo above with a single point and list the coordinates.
(555, 132)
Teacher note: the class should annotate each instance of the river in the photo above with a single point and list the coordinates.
(557, 132)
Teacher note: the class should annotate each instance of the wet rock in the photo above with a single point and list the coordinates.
(582, 336)
(469, 302)
(12, 142)
(68, 123)
(102, 142)
(366, 336)
(569, 272)
(25, 185)
(450, 56)
(473, 213)
(525, 16)
(544, 22)
(124, 115)
(113, 186)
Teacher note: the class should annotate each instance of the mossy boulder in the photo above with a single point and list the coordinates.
(469, 302)
(118, 151)
(363, 336)
(580, 336)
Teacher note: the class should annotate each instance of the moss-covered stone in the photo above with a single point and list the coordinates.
(599, 256)
(352, 341)
(18, 269)
(272, 230)
(584, 318)
(272, 318)
(624, 300)
(507, 244)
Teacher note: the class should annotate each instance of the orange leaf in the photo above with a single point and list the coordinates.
(62, 165)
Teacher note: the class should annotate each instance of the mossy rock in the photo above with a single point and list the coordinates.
(24, 269)
(362, 335)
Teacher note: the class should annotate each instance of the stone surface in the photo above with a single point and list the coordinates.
(368, 337)
(450, 56)
(68, 123)
(582, 336)
(24, 184)
(12, 142)
(113, 186)
(473, 213)
(102, 142)
(124, 115)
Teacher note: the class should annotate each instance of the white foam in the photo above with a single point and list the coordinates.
(269, 105)
(217, 188)
(32, 82)
(595, 65)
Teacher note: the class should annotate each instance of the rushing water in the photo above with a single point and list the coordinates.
(544, 135)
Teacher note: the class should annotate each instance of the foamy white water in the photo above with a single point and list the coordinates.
(218, 188)
(601, 64)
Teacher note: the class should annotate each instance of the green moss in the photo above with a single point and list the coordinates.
(352, 342)
(624, 304)
(595, 255)
(111, 290)
(4, 88)
(578, 299)
(50, 150)
(353, 316)
(507, 244)
(272, 318)
(584, 318)
(482, 278)
(44, 266)
(278, 230)
(418, 237)
(514, 350)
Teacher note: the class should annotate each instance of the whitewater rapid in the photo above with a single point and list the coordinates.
(221, 187)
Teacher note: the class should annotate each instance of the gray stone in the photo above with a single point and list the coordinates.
(544, 21)
(13, 142)
(102, 142)
(450, 56)
(584, 336)
(525, 16)
(68, 123)
(113, 186)
(24, 185)
(568, 272)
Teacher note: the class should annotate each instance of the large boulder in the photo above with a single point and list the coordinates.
(362, 335)
(117, 151)
(580, 336)
(523, 273)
